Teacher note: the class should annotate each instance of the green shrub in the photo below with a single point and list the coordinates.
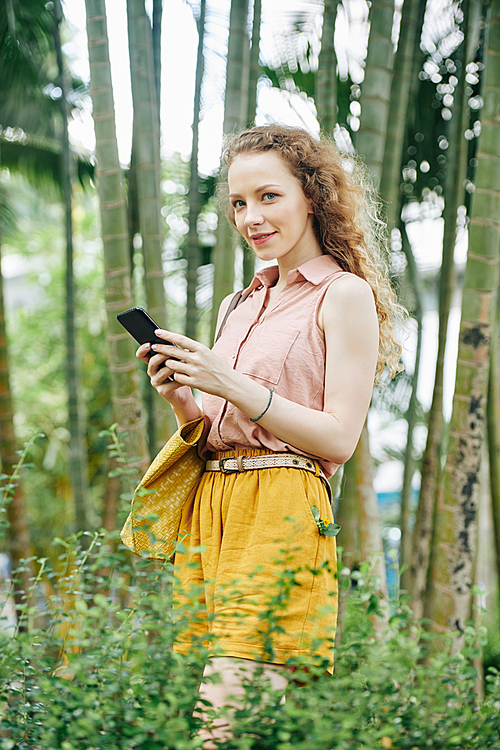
(90, 665)
(94, 668)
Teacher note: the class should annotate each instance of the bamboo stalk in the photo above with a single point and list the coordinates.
(192, 251)
(493, 432)
(412, 19)
(77, 453)
(409, 463)
(431, 462)
(326, 77)
(376, 88)
(448, 594)
(19, 541)
(254, 72)
(235, 115)
(357, 514)
(147, 169)
(122, 362)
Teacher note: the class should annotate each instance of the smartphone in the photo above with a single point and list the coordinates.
(142, 327)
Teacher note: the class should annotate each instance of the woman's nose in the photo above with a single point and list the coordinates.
(253, 215)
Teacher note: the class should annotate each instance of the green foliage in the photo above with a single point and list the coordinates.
(25, 40)
(8, 218)
(95, 665)
(35, 313)
(491, 655)
(175, 184)
(30, 115)
(40, 160)
(91, 662)
(301, 79)
(428, 125)
(10, 482)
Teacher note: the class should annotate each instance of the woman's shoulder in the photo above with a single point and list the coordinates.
(347, 286)
(348, 294)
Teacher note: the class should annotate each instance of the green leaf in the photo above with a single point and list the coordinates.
(332, 529)
(315, 512)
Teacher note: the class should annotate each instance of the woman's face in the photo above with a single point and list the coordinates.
(270, 209)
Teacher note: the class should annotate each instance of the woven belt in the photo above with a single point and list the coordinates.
(229, 464)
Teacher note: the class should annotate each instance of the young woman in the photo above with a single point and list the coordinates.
(286, 389)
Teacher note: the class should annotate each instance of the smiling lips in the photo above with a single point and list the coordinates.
(259, 239)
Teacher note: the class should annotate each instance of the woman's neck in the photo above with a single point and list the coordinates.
(286, 264)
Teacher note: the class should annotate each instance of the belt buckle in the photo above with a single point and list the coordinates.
(222, 465)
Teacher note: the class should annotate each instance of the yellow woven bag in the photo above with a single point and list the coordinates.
(153, 523)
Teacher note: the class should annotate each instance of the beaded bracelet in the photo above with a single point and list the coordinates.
(271, 391)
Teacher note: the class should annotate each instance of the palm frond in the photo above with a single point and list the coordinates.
(25, 42)
(8, 216)
(39, 159)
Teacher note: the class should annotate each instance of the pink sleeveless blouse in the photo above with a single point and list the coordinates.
(278, 346)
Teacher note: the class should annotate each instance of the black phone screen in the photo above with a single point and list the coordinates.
(141, 326)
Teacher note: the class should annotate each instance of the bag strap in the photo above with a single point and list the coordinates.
(237, 298)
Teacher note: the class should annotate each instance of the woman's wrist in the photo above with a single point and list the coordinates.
(250, 397)
(184, 405)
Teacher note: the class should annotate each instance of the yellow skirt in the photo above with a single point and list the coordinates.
(264, 578)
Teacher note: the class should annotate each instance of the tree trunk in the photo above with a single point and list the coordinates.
(371, 140)
(123, 364)
(448, 594)
(411, 29)
(376, 88)
(192, 251)
(77, 454)
(147, 169)
(431, 462)
(132, 204)
(357, 513)
(235, 115)
(326, 77)
(254, 72)
(493, 420)
(18, 534)
(147, 144)
(411, 416)
(112, 500)
(484, 566)
(157, 19)
(254, 66)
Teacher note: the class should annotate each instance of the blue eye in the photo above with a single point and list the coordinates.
(237, 202)
(270, 196)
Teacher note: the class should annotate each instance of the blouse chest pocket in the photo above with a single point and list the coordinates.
(264, 355)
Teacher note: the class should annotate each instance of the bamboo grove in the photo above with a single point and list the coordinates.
(426, 119)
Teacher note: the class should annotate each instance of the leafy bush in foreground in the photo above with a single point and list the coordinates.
(90, 665)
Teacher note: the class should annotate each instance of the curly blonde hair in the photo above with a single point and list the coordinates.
(346, 210)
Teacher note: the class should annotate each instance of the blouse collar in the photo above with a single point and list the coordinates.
(315, 271)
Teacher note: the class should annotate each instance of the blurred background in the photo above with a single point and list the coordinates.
(111, 123)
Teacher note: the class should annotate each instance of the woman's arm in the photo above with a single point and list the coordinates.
(179, 397)
(349, 321)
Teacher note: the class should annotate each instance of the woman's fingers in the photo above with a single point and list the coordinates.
(157, 364)
(172, 352)
(177, 338)
(183, 361)
(144, 352)
(161, 377)
(164, 379)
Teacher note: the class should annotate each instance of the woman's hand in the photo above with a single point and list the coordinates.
(199, 367)
(178, 396)
(159, 375)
